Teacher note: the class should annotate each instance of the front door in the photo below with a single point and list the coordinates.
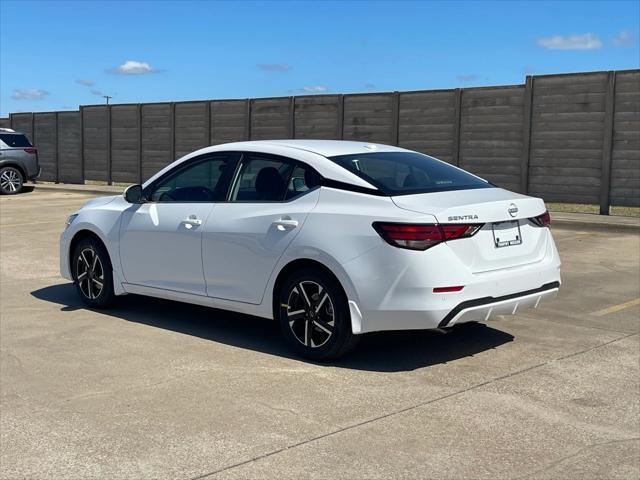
(161, 240)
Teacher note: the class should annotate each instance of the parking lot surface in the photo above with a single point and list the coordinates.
(155, 389)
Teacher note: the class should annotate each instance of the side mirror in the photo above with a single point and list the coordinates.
(133, 194)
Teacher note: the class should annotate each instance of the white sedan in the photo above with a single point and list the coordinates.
(332, 239)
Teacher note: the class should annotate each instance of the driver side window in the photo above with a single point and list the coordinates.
(202, 180)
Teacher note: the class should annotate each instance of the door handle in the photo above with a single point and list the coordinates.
(193, 221)
(285, 224)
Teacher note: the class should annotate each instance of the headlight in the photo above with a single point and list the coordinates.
(70, 220)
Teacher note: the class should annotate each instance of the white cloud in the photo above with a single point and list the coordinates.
(84, 82)
(275, 67)
(467, 77)
(28, 94)
(314, 89)
(585, 41)
(97, 93)
(370, 86)
(623, 39)
(132, 67)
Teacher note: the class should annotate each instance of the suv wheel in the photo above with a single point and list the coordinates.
(314, 316)
(11, 180)
(92, 273)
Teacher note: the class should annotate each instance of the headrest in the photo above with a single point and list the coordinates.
(269, 184)
(416, 179)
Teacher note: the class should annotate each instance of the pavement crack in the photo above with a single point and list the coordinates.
(574, 454)
(411, 408)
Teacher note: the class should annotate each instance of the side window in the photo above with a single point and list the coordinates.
(302, 180)
(262, 178)
(203, 180)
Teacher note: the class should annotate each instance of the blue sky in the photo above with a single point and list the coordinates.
(58, 55)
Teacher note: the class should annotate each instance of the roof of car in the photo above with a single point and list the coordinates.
(326, 148)
(308, 151)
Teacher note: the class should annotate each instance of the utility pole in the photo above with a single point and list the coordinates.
(107, 97)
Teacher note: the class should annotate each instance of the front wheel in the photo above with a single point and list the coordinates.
(11, 181)
(314, 315)
(92, 273)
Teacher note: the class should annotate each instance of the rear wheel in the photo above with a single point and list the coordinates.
(11, 180)
(92, 273)
(314, 316)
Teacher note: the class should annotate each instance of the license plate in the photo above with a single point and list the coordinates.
(506, 234)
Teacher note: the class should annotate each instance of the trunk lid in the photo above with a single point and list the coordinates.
(505, 217)
(472, 206)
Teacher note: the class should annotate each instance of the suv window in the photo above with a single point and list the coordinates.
(262, 178)
(15, 140)
(403, 173)
(202, 180)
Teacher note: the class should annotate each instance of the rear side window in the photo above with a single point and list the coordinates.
(262, 179)
(15, 140)
(302, 180)
(404, 173)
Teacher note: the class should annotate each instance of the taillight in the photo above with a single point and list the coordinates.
(543, 220)
(454, 231)
(416, 236)
(31, 150)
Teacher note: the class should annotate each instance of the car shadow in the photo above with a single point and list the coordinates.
(380, 352)
(26, 188)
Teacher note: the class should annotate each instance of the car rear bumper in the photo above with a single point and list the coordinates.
(484, 308)
(33, 176)
(474, 310)
(395, 288)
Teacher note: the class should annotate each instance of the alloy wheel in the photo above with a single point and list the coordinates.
(310, 314)
(90, 273)
(10, 181)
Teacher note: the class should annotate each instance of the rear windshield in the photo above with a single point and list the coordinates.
(15, 140)
(404, 173)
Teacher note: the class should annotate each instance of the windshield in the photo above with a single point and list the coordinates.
(404, 173)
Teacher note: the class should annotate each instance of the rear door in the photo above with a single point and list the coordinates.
(244, 237)
(161, 240)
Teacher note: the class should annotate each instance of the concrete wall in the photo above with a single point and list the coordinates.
(157, 140)
(625, 162)
(70, 157)
(491, 134)
(46, 131)
(96, 142)
(567, 138)
(125, 137)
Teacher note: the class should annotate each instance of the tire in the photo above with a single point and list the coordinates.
(91, 267)
(314, 315)
(11, 181)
